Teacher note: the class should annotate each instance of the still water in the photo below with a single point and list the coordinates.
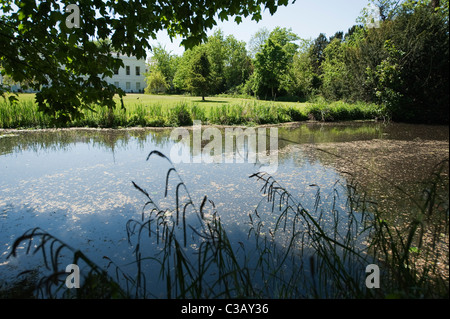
(77, 184)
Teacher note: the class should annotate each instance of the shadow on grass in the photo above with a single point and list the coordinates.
(210, 101)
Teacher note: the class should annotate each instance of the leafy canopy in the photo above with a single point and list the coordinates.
(69, 68)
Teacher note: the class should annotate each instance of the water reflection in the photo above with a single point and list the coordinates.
(76, 184)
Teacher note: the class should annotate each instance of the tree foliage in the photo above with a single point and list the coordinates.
(199, 75)
(396, 56)
(257, 41)
(271, 62)
(165, 63)
(402, 64)
(230, 64)
(66, 65)
(270, 65)
(156, 82)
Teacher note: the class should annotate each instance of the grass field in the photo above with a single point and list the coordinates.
(178, 110)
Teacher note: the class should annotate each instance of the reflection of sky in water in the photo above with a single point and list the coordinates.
(83, 194)
(81, 191)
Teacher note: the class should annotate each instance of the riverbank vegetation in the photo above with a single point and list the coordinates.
(170, 110)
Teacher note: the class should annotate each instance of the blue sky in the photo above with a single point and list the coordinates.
(307, 18)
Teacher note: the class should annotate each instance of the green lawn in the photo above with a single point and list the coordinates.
(171, 100)
(175, 110)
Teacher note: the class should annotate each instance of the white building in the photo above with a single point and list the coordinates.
(130, 78)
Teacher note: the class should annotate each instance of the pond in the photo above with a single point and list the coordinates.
(77, 183)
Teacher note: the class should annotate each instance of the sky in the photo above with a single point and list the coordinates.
(307, 18)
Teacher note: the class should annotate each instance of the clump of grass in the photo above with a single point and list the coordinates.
(198, 113)
(180, 115)
(322, 110)
(24, 288)
(21, 114)
(253, 113)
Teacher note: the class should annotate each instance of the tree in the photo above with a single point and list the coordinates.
(271, 76)
(238, 65)
(257, 41)
(37, 45)
(270, 66)
(199, 76)
(334, 70)
(183, 68)
(378, 11)
(318, 52)
(424, 66)
(156, 82)
(404, 63)
(230, 65)
(302, 81)
(285, 38)
(338, 35)
(164, 62)
(216, 50)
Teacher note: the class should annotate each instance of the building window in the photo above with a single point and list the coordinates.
(116, 71)
(138, 70)
(128, 85)
(138, 86)
(127, 68)
(116, 84)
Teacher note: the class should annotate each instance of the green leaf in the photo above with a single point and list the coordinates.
(22, 16)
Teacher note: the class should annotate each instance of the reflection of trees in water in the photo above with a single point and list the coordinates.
(298, 133)
(358, 148)
(61, 140)
(327, 133)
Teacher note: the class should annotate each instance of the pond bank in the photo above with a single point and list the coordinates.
(25, 114)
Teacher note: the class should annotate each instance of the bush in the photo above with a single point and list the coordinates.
(180, 115)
